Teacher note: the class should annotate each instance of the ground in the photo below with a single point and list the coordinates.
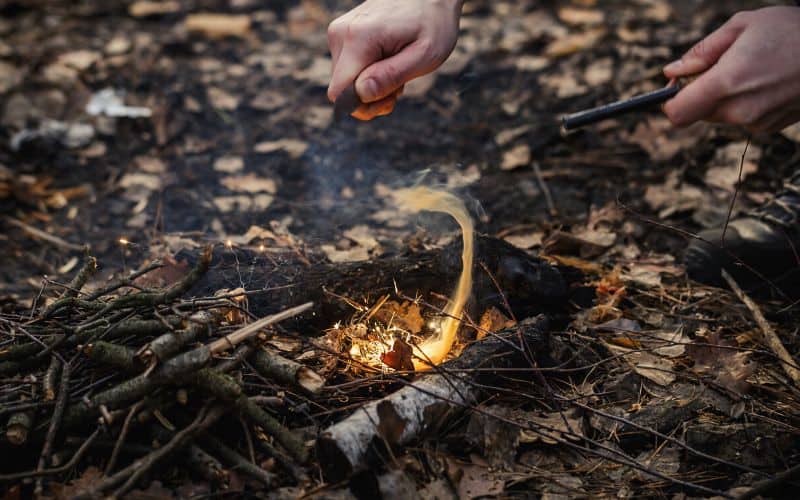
(238, 149)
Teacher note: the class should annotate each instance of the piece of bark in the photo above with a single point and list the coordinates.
(399, 418)
(272, 365)
(530, 284)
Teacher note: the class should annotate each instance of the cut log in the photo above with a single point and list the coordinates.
(352, 444)
(530, 284)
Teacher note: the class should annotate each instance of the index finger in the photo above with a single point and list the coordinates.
(352, 59)
(697, 100)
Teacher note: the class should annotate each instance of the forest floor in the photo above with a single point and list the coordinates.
(141, 133)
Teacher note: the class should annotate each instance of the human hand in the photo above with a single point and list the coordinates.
(750, 73)
(382, 44)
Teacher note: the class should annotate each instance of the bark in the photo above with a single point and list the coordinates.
(352, 444)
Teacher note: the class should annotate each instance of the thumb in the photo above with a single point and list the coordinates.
(386, 76)
(706, 52)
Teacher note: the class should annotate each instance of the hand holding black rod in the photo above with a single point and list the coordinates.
(635, 103)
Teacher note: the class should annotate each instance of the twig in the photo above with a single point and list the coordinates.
(238, 461)
(122, 434)
(768, 334)
(546, 190)
(735, 193)
(50, 238)
(248, 331)
(55, 422)
(58, 470)
(139, 467)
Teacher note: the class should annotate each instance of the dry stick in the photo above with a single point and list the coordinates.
(546, 190)
(237, 461)
(768, 334)
(188, 367)
(287, 371)
(55, 422)
(122, 435)
(135, 470)
(58, 470)
(163, 296)
(38, 233)
(248, 331)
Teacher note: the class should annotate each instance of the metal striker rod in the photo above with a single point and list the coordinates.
(635, 103)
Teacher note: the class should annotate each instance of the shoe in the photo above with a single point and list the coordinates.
(765, 243)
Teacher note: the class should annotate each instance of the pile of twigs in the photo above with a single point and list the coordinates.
(90, 376)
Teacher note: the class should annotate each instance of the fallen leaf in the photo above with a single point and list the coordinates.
(149, 181)
(294, 147)
(507, 136)
(661, 140)
(723, 172)
(249, 183)
(221, 99)
(574, 42)
(479, 482)
(525, 240)
(242, 203)
(576, 16)
(719, 358)
(145, 8)
(493, 320)
(400, 357)
(229, 164)
(518, 156)
(216, 26)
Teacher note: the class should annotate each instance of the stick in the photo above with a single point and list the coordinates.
(135, 470)
(244, 333)
(38, 233)
(287, 371)
(58, 470)
(768, 334)
(237, 461)
(55, 422)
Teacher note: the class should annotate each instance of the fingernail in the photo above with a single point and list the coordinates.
(674, 65)
(368, 90)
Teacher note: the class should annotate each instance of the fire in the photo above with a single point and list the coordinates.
(434, 349)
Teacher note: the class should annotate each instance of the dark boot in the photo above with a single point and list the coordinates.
(763, 243)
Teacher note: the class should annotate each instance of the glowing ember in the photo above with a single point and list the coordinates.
(433, 350)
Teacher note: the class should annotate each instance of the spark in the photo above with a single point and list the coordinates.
(124, 241)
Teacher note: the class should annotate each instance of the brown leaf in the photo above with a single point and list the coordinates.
(216, 26)
(717, 357)
(390, 425)
(171, 272)
(400, 357)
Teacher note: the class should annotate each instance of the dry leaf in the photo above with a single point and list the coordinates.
(518, 156)
(525, 240)
(575, 16)
(243, 203)
(145, 8)
(723, 172)
(574, 42)
(221, 99)
(217, 26)
(507, 136)
(294, 147)
(249, 183)
(229, 164)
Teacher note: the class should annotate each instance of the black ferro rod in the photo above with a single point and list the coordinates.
(635, 103)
